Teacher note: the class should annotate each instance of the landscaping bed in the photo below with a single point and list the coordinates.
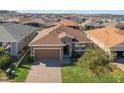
(5, 61)
(14, 71)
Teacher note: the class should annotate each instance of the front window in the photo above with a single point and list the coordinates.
(8, 47)
(0, 44)
(80, 47)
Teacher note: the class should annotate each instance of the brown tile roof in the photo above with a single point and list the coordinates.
(51, 36)
(110, 36)
(67, 22)
(64, 34)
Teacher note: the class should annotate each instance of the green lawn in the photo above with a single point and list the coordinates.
(76, 74)
(23, 70)
(1, 74)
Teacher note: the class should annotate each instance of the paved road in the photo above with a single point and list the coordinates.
(46, 71)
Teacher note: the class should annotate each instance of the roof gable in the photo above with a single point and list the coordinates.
(63, 34)
(54, 34)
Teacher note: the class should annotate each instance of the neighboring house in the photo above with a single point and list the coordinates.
(93, 25)
(15, 37)
(35, 22)
(7, 21)
(40, 24)
(69, 23)
(82, 25)
(57, 42)
(120, 25)
(110, 39)
(119, 19)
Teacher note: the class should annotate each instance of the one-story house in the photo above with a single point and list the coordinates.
(110, 39)
(35, 22)
(69, 23)
(15, 37)
(57, 42)
(93, 25)
(120, 25)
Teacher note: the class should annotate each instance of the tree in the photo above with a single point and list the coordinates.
(4, 58)
(4, 61)
(1, 74)
(95, 60)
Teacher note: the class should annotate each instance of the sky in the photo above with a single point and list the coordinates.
(121, 12)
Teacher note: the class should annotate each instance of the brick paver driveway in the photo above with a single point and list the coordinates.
(47, 71)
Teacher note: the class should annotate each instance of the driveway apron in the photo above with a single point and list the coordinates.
(45, 71)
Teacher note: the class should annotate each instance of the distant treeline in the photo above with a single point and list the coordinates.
(7, 12)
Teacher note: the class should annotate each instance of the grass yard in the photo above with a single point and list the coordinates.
(92, 67)
(76, 74)
(1, 75)
(23, 70)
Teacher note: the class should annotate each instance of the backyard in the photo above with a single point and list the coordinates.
(76, 73)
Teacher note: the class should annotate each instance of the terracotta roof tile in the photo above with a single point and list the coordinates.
(51, 36)
(67, 22)
(110, 36)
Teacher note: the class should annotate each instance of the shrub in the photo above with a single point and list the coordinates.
(99, 65)
(30, 58)
(4, 61)
(1, 51)
(95, 60)
(1, 74)
(13, 65)
(76, 55)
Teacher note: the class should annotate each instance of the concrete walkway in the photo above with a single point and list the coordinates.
(46, 71)
(120, 65)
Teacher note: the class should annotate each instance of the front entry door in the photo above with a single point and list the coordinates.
(66, 50)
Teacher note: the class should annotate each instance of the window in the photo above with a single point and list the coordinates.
(74, 40)
(122, 54)
(0, 44)
(80, 47)
(8, 47)
(9, 50)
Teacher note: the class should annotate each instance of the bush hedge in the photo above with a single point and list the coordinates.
(4, 61)
(95, 60)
